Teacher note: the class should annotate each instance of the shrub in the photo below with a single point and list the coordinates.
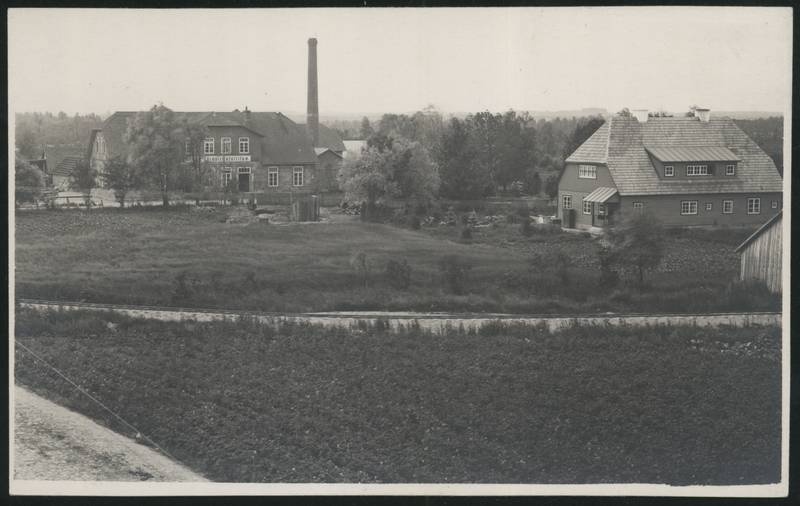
(466, 233)
(561, 265)
(398, 272)
(415, 223)
(527, 228)
(751, 296)
(455, 273)
(361, 265)
(181, 292)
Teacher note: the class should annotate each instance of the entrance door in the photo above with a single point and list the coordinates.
(244, 182)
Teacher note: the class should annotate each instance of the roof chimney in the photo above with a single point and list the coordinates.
(312, 114)
(703, 114)
(640, 115)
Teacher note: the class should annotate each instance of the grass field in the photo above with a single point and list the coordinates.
(196, 259)
(239, 402)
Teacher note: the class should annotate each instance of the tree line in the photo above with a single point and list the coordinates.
(34, 130)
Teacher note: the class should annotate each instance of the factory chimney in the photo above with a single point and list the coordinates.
(312, 114)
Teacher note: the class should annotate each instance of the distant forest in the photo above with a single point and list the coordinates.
(554, 138)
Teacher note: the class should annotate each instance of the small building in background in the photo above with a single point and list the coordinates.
(61, 174)
(761, 254)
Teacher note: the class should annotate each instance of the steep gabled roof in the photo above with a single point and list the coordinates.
(594, 149)
(66, 166)
(328, 138)
(282, 140)
(622, 145)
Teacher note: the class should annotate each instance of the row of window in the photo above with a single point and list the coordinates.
(688, 207)
(272, 175)
(225, 146)
(698, 170)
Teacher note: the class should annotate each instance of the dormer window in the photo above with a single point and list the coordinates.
(587, 172)
(697, 170)
(730, 170)
(669, 171)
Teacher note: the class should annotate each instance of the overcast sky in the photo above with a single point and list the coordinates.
(397, 60)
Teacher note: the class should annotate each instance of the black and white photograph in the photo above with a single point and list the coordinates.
(399, 251)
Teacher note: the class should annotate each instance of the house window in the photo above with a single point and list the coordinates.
(566, 201)
(697, 170)
(244, 170)
(297, 176)
(727, 207)
(730, 170)
(754, 206)
(187, 147)
(226, 177)
(774, 204)
(688, 207)
(244, 145)
(208, 146)
(709, 206)
(669, 170)
(272, 177)
(587, 171)
(638, 207)
(587, 207)
(225, 147)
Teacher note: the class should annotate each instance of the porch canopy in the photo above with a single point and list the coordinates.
(601, 195)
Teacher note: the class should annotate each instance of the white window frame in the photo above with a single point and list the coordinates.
(566, 198)
(208, 141)
(298, 171)
(222, 143)
(727, 207)
(244, 141)
(244, 170)
(187, 147)
(587, 171)
(273, 171)
(774, 204)
(697, 170)
(691, 208)
(590, 207)
(227, 176)
(730, 169)
(638, 207)
(669, 170)
(754, 205)
(709, 206)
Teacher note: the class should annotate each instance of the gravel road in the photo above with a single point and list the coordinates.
(54, 443)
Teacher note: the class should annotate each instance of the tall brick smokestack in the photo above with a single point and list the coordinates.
(312, 114)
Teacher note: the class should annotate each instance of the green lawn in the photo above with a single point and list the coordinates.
(239, 401)
(195, 259)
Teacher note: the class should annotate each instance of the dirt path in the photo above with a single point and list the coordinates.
(430, 321)
(54, 443)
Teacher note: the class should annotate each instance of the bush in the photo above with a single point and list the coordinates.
(361, 265)
(466, 233)
(414, 222)
(398, 272)
(751, 296)
(181, 292)
(455, 273)
(526, 228)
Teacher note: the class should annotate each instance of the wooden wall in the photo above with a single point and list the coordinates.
(761, 259)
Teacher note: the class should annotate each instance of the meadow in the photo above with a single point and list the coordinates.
(187, 258)
(244, 402)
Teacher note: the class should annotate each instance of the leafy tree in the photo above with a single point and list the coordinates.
(366, 128)
(625, 113)
(156, 141)
(462, 174)
(26, 141)
(195, 135)
(583, 130)
(368, 179)
(84, 179)
(551, 187)
(636, 242)
(28, 182)
(121, 177)
(533, 182)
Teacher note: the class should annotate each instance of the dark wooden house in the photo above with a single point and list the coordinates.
(761, 254)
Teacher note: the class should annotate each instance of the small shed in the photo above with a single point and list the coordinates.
(761, 254)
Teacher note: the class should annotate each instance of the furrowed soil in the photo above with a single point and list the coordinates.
(242, 402)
